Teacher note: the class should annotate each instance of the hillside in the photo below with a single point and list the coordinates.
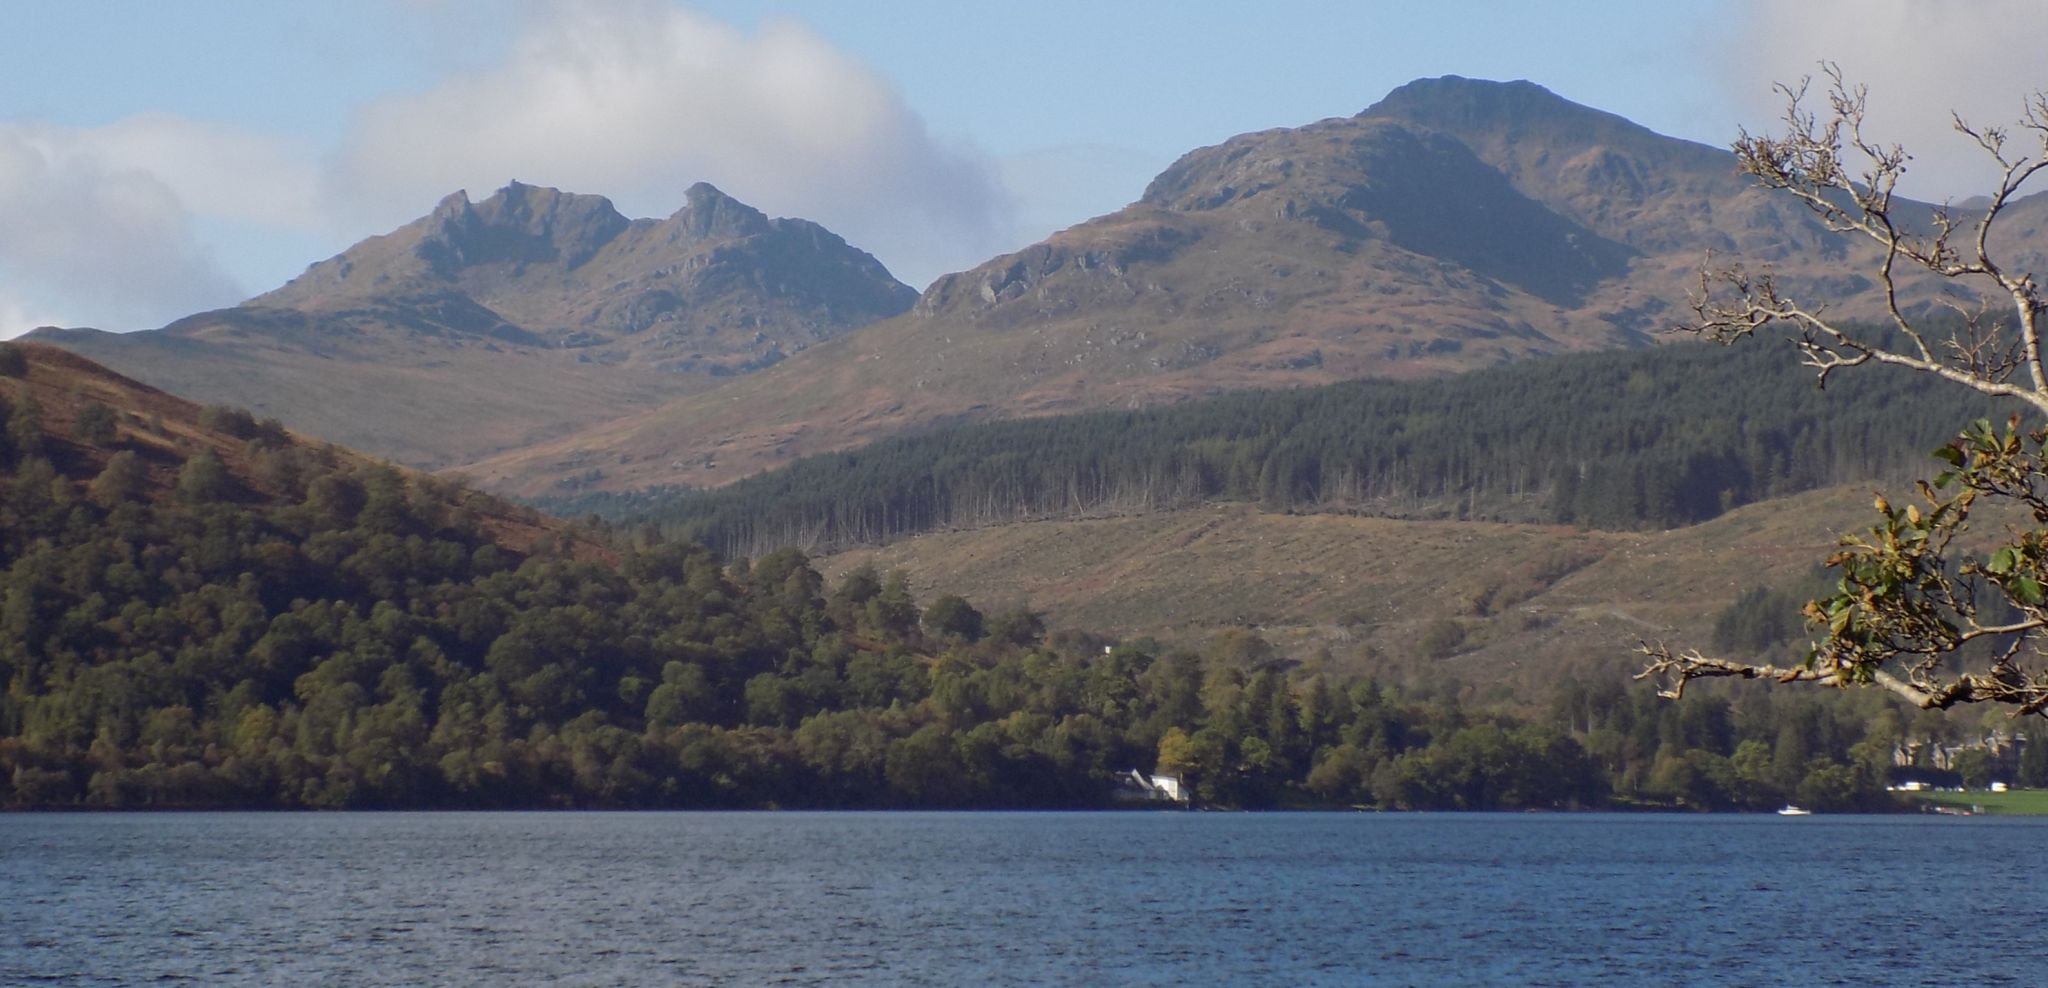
(49, 404)
(203, 611)
(489, 325)
(1530, 603)
(1455, 224)
(1635, 439)
(279, 625)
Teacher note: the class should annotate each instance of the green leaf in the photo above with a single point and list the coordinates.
(2026, 590)
(2001, 562)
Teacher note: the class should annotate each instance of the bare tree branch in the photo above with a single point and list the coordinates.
(1813, 163)
(1907, 604)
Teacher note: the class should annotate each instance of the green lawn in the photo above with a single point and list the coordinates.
(2015, 802)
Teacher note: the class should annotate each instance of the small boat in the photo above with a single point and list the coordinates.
(1791, 810)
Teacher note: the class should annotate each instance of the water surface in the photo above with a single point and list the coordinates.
(1016, 899)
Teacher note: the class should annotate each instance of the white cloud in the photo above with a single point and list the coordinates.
(1920, 58)
(92, 239)
(15, 319)
(217, 171)
(637, 100)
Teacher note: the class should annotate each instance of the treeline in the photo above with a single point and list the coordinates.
(1757, 748)
(1654, 438)
(361, 645)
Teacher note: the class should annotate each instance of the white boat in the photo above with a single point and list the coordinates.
(1791, 810)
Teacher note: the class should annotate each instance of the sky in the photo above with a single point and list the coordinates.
(159, 159)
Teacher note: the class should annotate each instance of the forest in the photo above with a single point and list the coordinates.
(288, 626)
(214, 613)
(1655, 438)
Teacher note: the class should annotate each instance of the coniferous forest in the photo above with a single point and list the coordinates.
(1645, 439)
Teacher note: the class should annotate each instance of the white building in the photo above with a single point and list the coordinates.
(1137, 785)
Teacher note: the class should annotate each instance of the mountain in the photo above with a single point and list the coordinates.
(1454, 224)
(487, 325)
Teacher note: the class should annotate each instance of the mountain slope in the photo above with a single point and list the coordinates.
(48, 394)
(487, 325)
(1454, 224)
(1530, 602)
(1657, 438)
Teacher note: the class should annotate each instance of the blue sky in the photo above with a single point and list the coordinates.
(157, 159)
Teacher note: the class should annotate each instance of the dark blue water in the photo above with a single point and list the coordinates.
(1017, 899)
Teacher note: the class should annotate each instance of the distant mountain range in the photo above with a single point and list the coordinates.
(544, 344)
(1455, 224)
(487, 325)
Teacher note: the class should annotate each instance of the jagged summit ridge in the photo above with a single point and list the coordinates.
(518, 223)
(709, 213)
(522, 226)
(556, 263)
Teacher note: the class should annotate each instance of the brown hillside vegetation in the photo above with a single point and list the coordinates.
(1532, 602)
(1456, 224)
(164, 431)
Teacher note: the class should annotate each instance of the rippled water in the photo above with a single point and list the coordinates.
(1016, 898)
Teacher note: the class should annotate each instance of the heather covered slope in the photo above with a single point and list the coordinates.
(67, 419)
(488, 325)
(1455, 224)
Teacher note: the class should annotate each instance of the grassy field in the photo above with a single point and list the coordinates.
(2016, 802)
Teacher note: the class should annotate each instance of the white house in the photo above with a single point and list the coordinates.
(1137, 785)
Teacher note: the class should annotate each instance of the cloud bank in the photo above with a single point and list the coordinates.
(1920, 58)
(92, 239)
(638, 100)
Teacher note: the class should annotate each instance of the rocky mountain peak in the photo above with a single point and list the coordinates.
(1500, 122)
(708, 214)
(452, 206)
(542, 211)
(1455, 99)
(519, 223)
(1495, 115)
